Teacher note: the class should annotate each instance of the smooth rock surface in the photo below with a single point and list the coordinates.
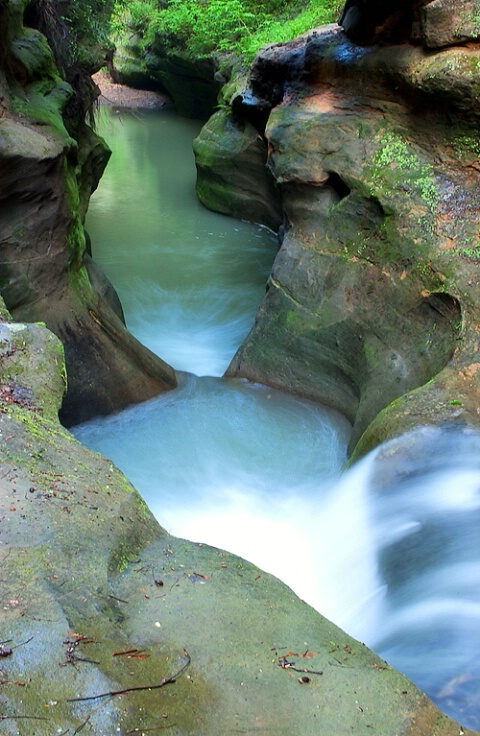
(90, 582)
(447, 22)
(236, 180)
(46, 179)
(374, 291)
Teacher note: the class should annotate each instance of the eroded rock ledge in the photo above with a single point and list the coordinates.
(91, 582)
(47, 174)
(87, 573)
(368, 162)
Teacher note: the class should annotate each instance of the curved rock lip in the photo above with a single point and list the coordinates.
(109, 621)
(47, 175)
(370, 154)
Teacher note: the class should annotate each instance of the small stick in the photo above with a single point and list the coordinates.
(8, 651)
(127, 651)
(298, 669)
(155, 728)
(32, 718)
(120, 600)
(82, 725)
(111, 693)
(82, 659)
(286, 665)
(37, 618)
(337, 663)
(22, 643)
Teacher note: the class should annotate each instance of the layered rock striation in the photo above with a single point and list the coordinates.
(111, 624)
(370, 154)
(50, 163)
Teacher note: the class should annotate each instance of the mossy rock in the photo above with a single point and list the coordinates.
(46, 179)
(232, 174)
(372, 294)
(30, 49)
(188, 636)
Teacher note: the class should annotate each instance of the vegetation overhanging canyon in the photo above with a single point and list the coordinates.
(361, 147)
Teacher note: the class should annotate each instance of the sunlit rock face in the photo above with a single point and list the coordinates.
(433, 23)
(47, 173)
(89, 578)
(373, 150)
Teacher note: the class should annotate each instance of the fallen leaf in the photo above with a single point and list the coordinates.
(127, 651)
(305, 655)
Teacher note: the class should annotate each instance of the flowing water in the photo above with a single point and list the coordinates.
(391, 551)
(190, 281)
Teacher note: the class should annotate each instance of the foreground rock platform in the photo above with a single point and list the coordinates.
(98, 599)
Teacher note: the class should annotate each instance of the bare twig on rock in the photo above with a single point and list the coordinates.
(111, 693)
(286, 665)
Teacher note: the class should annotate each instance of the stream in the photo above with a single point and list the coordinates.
(390, 550)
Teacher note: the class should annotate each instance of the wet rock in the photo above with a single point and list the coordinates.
(46, 178)
(212, 650)
(374, 153)
(234, 178)
(192, 84)
(447, 22)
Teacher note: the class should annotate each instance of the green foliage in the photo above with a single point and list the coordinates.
(89, 27)
(281, 30)
(465, 145)
(77, 30)
(471, 250)
(88, 18)
(204, 27)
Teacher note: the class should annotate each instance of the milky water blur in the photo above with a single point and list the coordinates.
(390, 551)
(395, 563)
(236, 465)
(424, 492)
(190, 280)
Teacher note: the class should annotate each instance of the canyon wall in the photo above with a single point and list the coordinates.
(367, 163)
(111, 624)
(50, 163)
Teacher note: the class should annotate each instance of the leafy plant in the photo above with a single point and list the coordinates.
(204, 27)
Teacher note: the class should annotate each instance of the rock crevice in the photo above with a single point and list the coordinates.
(372, 153)
(47, 174)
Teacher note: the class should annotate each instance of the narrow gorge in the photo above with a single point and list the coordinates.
(359, 145)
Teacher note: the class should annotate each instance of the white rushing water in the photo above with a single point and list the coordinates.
(423, 495)
(235, 465)
(190, 281)
(391, 550)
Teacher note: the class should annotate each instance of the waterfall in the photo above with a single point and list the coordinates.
(390, 550)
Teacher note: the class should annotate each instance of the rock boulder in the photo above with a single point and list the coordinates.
(111, 624)
(374, 154)
(47, 175)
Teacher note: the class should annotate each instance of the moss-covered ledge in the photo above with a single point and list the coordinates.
(372, 163)
(50, 163)
(88, 574)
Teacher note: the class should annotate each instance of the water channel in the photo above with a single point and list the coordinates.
(391, 554)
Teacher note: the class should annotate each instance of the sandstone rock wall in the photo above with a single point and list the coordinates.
(372, 158)
(98, 599)
(47, 174)
(108, 623)
(193, 84)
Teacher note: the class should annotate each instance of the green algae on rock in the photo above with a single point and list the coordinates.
(242, 185)
(101, 600)
(47, 174)
(371, 295)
